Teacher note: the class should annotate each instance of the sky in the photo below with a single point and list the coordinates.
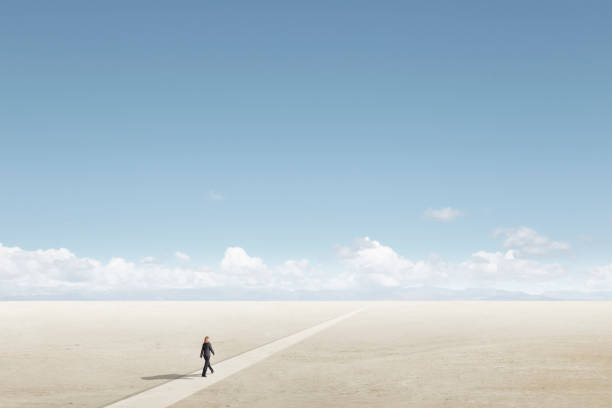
(305, 145)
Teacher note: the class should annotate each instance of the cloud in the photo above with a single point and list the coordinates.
(600, 277)
(30, 272)
(381, 265)
(529, 242)
(250, 271)
(508, 266)
(215, 196)
(45, 267)
(444, 214)
(182, 256)
(60, 268)
(302, 274)
(236, 260)
(365, 265)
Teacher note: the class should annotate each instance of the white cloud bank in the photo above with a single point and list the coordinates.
(508, 266)
(600, 278)
(366, 265)
(444, 214)
(22, 270)
(381, 265)
(60, 268)
(236, 260)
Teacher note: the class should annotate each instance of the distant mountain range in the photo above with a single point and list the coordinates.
(425, 293)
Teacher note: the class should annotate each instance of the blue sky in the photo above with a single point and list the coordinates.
(315, 123)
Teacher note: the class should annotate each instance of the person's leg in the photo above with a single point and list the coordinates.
(206, 365)
(204, 369)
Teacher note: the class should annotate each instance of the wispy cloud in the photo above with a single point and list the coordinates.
(182, 256)
(530, 242)
(446, 214)
(213, 195)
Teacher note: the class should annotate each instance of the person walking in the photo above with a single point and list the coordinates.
(205, 352)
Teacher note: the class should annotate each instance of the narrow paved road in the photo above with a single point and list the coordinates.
(173, 391)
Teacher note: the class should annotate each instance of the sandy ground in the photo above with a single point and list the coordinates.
(447, 354)
(408, 354)
(88, 354)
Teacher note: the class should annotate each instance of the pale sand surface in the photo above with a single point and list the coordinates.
(88, 354)
(446, 354)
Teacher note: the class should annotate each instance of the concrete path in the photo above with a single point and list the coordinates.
(173, 391)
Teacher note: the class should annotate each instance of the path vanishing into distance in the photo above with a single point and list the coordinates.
(176, 390)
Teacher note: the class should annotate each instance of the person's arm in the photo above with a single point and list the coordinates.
(202, 351)
(211, 350)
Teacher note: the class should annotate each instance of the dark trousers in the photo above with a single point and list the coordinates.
(207, 365)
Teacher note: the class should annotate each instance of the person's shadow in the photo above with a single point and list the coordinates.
(170, 376)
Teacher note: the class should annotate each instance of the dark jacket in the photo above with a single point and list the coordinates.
(206, 350)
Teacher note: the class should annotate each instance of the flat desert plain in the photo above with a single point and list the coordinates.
(390, 354)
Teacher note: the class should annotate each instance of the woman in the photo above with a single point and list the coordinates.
(206, 350)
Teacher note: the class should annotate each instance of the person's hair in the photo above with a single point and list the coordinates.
(206, 339)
